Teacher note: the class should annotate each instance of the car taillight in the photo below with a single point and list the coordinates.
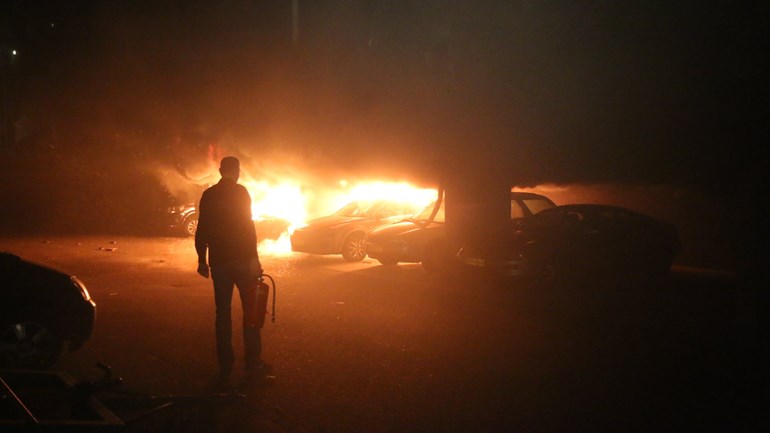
(82, 287)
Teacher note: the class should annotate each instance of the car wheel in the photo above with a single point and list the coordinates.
(190, 226)
(354, 248)
(28, 345)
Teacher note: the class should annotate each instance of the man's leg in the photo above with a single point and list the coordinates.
(252, 337)
(223, 296)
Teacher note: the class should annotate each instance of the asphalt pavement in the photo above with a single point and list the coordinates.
(360, 347)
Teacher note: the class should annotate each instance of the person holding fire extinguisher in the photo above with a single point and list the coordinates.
(226, 232)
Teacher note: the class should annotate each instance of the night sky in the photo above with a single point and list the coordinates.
(543, 91)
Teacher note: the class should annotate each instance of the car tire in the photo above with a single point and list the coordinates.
(354, 247)
(190, 225)
(28, 345)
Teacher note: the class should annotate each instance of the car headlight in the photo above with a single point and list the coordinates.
(81, 287)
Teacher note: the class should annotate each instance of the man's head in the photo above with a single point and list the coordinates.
(230, 168)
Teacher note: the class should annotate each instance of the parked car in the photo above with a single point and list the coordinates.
(417, 239)
(420, 240)
(575, 240)
(344, 231)
(183, 221)
(41, 310)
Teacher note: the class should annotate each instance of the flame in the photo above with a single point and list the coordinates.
(282, 200)
(297, 203)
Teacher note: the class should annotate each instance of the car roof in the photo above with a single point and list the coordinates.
(592, 207)
(518, 195)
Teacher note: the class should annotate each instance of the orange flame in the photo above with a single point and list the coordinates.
(297, 204)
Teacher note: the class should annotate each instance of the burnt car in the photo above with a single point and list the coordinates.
(571, 241)
(420, 239)
(42, 310)
(344, 231)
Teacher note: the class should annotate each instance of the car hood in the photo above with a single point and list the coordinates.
(19, 272)
(330, 222)
(390, 231)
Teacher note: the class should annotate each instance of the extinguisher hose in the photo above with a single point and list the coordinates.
(272, 283)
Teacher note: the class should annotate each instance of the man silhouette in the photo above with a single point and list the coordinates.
(226, 230)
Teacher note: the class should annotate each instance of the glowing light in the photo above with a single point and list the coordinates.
(296, 201)
(399, 192)
(279, 247)
(282, 200)
(296, 204)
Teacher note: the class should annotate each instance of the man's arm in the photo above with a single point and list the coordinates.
(255, 266)
(201, 237)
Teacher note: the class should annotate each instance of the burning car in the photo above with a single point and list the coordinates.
(42, 309)
(344, 231)
(420, 239)
(575, 240)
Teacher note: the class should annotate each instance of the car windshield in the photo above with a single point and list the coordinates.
(537, 205)
(358, 209)
(376, 209)
(424, 214)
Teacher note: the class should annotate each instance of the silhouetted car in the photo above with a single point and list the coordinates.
(417, 239)
(41, 309)
(420, 240)
(183, 221)
(576, 240)
(344, 231)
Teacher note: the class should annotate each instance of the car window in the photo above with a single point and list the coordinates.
(537, 205)
(600, 219)
(425, 213)
(390, 209)
(516, 210)
(354, 209)
(573, 216)
(550, 218)
(556, 217)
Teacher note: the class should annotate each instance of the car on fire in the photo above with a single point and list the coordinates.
(420, 239)
(43, 311)
(571, 241)
(344, 231)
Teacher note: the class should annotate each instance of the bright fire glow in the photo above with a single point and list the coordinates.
(284, 201)
(297, 204)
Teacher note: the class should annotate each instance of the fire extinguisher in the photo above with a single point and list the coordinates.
(256, 299)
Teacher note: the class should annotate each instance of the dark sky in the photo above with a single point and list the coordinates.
(559, 91)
